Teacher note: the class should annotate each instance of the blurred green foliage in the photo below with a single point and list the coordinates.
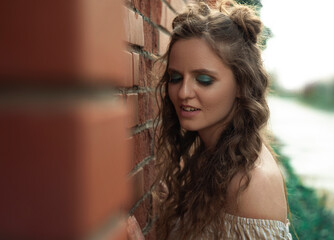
(309, 216)
(320, 95)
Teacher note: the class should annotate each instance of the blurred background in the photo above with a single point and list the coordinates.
(299, 58)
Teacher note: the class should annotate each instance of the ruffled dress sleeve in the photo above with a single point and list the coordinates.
(260, 229)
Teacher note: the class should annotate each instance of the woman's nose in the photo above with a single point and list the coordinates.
(186, 89)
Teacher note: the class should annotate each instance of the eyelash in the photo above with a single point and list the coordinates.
(179, 78)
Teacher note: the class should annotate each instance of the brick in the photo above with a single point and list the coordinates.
(63, 169)
(102, 37)
(163, 15)
(130, 198)
(163, 42)
(136, 68)
(126, 23)
(170, 15)
(82, 44)
(143, 6)
(156, 6)
(143, 71)
(148, 36)
(131, 143)
(147, 78)
(149, 175)
(120, 98)
(136, 3)
(178, 5)
(138, 186)
(155, 39)
(152, 235)
(146, 71)
(143, 107)
(146, 107)
(128, 80)
(132, 105)
(143, 211)
(158, 70)
(153, 106)
(135, 28)
(142, 146)
(167, 16)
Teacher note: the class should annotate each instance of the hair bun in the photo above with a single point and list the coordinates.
(244, 17)
(193, 10)
(198, 8)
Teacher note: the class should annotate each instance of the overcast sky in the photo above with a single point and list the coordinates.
(302, 49)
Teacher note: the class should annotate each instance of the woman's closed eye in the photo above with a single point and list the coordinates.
(175, 77)
(204, 79)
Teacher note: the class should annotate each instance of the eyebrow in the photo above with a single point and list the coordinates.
(200, 70)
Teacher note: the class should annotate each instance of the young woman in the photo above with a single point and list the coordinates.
(221, 180)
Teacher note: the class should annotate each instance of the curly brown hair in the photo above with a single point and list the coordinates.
(197, 178)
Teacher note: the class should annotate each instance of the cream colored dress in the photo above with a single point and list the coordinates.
(249, 229)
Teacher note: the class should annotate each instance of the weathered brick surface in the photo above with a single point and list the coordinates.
(143, 6)
(56, 164)
(132, 105)
(40, 45)
(142, 213)
(158, 22)
(134, 28)
(136, 68)
(178, 5)
(66, 162)
(138, 186)
(142, 148)
(149, 31)
(146, 102)
(129, 73)
(167, 16)
(146, 66)
(149, 175)
(156, 6)
(163, 42)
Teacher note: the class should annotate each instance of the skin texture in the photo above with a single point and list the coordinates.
(264, 198)
(191, 61)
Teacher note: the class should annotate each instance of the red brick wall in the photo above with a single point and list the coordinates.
(76, 112)
(148, 25)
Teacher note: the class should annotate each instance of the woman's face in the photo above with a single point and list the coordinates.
(201, 87)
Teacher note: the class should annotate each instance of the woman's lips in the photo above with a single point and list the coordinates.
(188, 111)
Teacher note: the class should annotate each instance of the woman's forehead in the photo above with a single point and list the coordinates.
(194, 53)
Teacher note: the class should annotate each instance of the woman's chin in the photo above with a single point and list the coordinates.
(189, 128)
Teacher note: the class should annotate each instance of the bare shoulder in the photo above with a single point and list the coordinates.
(264, 198)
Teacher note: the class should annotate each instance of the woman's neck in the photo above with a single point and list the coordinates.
(210, 136)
